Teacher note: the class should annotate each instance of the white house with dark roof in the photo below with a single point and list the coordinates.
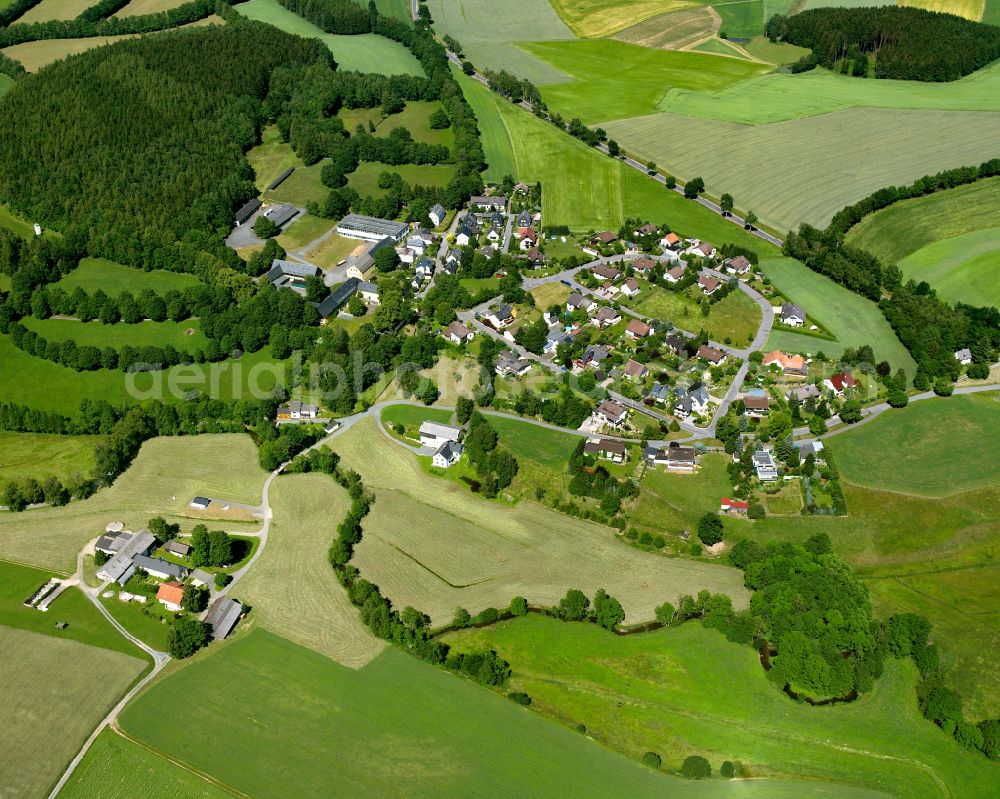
(764, 464)
(437, 214)
(792, 315)
(611, 413)
(614, 451)
(964, 356)
(448, 454)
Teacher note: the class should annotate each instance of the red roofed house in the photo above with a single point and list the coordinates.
(790, 364)
(528, 237)
(727, 505)
(670, 241)
(839, 382)
(637, 329)
(607, 237)
(709, 285)
(170, 595)
(673, 275)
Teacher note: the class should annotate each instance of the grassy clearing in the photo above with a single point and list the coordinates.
(719, 47)
(118, 768)
(457, 549)
(550, 294)
(305, 231)
(111, 278)
(775, 52)
(650, 692)
(905, 227)
(271, 157)
(338, 726)
(138, 8)
(163, 478)
(734, 318)
(597, 18)
(55, 9)
(851, 319)
(741, 20)
(185, 336)
(924, 449)
(364, 179)
(898, 147)
(6, 84)
(960, 269)
(15, 224)
(582, 188)
(367, 52)
(991, 12)
(787, 501)
(292, 587)
(302, 186)
(415, 117)
(669, 306)
(671, 31)
(614, 79)
(56, 693)
(412, 416)
(41, 455)
(550, 448)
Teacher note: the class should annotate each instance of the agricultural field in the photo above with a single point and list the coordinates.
(415, 117)
(810, 149)
(364, 180)
(961, 269)
(116, 767)
(550, 448)
(55, 9)
(458, 549)
(849, 317)
(185, 336)
(614, 79)
(648, 692)
(95, 274)
(720, 47)
(774, 52)
(57, 691)
(970, 9)
(162, 479)
(582, 188)
(929, 443)
(366, 52)
(600, 18)
(346, 727)
(138, 8)
(292, 587)
(674, 30)
(905, 227)
(40, 455)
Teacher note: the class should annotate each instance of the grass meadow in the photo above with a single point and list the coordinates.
(741, 19)
(734, 318)
(141, 334)
(6, 84)
(331, 725)
(54, 9)
(367, 52)
(775, 52)
(599, 18)
(40, 455)
(162, 479)
(117, 767)
(850, 318)
(459, 550)
(55, 693)
(905, 227)
(961, 269)
(415, 117)
(970, 9)
(138, 8)
(98, 273)
(292, 587)
(671, 31)
(305, 230)
(364, 179)
(272, 157)
(686, 690)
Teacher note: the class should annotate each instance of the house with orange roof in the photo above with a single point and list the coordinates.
(170, 594)
(790, 364)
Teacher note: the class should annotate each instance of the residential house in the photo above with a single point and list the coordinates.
(486, 204)
(789, 364)
(464, 235)
(170, 594)
(659, 393)
(649, 229)
(807, 448)
(607, 316)
(644, 266)
(295, 409)
(670, 242)
(614, 451)
(579, 302)
(437, 215)
(802, 393)
(535, 257)
(611, 413)
(756, 407)
(447, 454)
(509, 364)
(522, 188)
(500, 317)
(739, 265)
(498, 221)
(630, 287)
(792, 315)
(121, 566)
(529, 238)
(677, 345)
(737, 506)
(764, 464)
(711, 354)
(674, 274)
(634, 370)
(709, 285)
(524, 219)
(457, 333)
(222, 616)
(693, 401)
(434, 434)
(964, 357)
(369, 292)
(368, 228)
(488, 251)
(494, 235)
(160, 568)
(177, 548)
(840, 382)
(594, 356)
(558, 334)
(703, 249)
(637, 329)
(681, 459)
(607, 237)
(606, 272)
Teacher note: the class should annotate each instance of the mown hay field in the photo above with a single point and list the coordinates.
(55, 692)
(55, 9)
(273, 719)
(741, 20)
(970, 9)
(963, 268)
(887, 147)
(598, 18)
(116, 767)
(367, 52)
(673, 30)
(141, 334)
(162, 479)
(456, 549)
(138, 8)
(99, 273)
(292, 587)
(40, 455)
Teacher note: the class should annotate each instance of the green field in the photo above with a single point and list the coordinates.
(54, 9)
(925, 449)
(898, 145)
(334, 726)
(142, 334)
(734, 318)
(964, 268)
(550, 448)
(614, 79)
(111, 278)
(597, 18)
(582, 188)
(56, 692)
(162, 479)
(719, 47)
(292, 587)
(775, 52)
(364, 180)
(271, 157)
(367, 52)
(905, 227)
(40, 455)
(654, 691)
(415, 117)
(6, 84)
(305, 231)
(457, 549)
(118, 768)
(136, 8)
(850, 318)
(412, 416)
(741, 20)
(671, 31)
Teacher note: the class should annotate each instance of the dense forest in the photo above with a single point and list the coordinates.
(905, 43)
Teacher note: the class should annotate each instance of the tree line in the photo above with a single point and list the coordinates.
(906, 43)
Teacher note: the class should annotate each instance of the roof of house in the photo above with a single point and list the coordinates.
(160, 565)
(438, 430)
(201, 576)
(739, 504)
(171, 591)
(367, 287)
(606, 271)
(595, 352)
(528, 233)
(604, 445)
(577, 300)
(450, 451)
(756, 403)
(177, 547)
(671, 238)
(607, 236)
(223, 615)
(112, 541)
(784, 360)
(281, 268)
(632, 284)
(708, 283)
(638, 328)
(763, 459)
(790, 309)
(659, 391)
(606, 313)
(681, 454)
(963, 355)
(438, 210)
(535, 254)
(458, 330)
(677, 344)
(843, 380)
(248, 210)
(497, 201)
(611, 409)
(803, 392)
(635, 369)
(740, 262)
(710, 353)
(647, 229)
(644, 264)
(706, 248)
(676, 273)
(503, 311)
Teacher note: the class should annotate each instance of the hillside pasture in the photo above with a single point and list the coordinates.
(162, 479)
(54, 9)
(95, 274)
(366, 52)
(56, 692)
(271, 157)
(185, 336)
(674, 30)
(853, 320)
(139, 8)
(335, 726)
(904, 227)
(647, 692)
(741, 19)
(40, 455)
(929, 442)
(970, 9)
(775, 52)
(964, 268)
(415, 117)
(292, 587)
(600, 18)
(459, 550)
(888, 146)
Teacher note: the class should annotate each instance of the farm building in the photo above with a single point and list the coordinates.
(281, 178)
(160, 568)
(297, 409)
(170, 594)
(498, 203)
(338, 298)
(281, 215)
(200, 503)
(434, 434)
(368, 228)
(177, 548)
(247, 211)
(121, 566)
(448, 454)
(111, 543)
(222, 616)
(290, 274)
